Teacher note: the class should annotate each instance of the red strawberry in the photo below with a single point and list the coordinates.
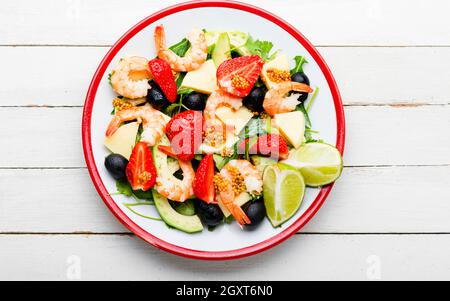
(185, 132)
(238, 76)
(203, 182)
(272, 145)
(141, 171)
(168, 150)
(163, 76)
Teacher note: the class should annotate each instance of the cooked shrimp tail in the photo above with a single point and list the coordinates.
(276, 101)
(175, 189)
(130, 77)
(153, 122)
(235, 177)
(236, 211)
(192, 60)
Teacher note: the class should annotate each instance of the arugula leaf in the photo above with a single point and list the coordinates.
(210, 51)
(109, 78)
(184, 91)
(179, 79)
(139, 133)
(260, 48)
(130, 205)
(301, 107)
(299, 61)
(316, 90)
(184, 208)
(228, 219)
(169, 110)
(181, 47)
(144, 195)
(123, 187)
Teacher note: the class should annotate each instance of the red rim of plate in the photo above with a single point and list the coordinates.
(132, 226)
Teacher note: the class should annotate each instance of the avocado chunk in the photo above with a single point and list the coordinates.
(222, 50)
(188, 224)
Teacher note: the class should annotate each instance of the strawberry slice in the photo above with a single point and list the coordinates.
(141, 171)
(203, 184)
(168, 150)
(238, 76)
(163, 76)
(272, 145)
(185, 132)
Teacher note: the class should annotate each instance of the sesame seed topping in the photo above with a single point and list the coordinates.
(144, 177)
(239, 82)
(120, 104)
(278, 76)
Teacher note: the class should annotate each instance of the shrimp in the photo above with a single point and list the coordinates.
(217, 99)
(236, 177)
(216, 130)
(275, 101)
(153, 122)
(175, 189)
(130, 77)
(192, 60)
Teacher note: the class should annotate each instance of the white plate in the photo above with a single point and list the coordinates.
(227, 241)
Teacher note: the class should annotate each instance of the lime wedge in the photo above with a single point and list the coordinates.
(283, 191)
(319, 163)
(237, 38)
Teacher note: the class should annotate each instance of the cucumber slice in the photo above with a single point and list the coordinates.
(222, 51)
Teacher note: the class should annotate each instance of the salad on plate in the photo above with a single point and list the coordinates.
(213, 130)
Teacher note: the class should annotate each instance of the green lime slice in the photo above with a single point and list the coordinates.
(319, 163)
(237, 38)
(283, 191)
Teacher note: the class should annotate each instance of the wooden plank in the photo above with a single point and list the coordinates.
(303, 257)
(55, 77)
(364, 200)
(397, 135)
(382, 135)
(45, 137)
(346, 22)
(386, 75)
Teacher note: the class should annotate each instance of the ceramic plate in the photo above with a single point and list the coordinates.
(327, 115)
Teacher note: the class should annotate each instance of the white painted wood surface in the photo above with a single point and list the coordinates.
(391, 204)
(304, 257)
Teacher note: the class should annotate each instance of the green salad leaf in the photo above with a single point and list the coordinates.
(109, 78)
(260, 48)
(124, 188)
(181, 47)
(299, 62)
(131, 205)
(185, 208)
(301, 107)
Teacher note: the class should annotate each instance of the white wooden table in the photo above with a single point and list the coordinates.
(387, 218)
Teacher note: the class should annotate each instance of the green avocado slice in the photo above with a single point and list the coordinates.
(188, 224)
